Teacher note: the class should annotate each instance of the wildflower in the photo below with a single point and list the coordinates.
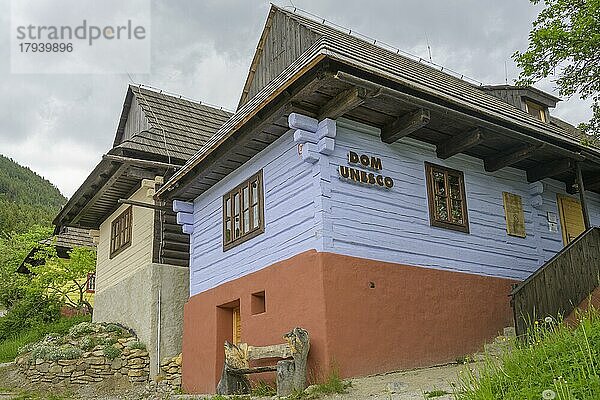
(548, 320)
(548, 394)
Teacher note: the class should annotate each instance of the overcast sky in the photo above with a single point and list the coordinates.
(59, 125)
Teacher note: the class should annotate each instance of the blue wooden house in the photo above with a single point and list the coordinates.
(385, 205)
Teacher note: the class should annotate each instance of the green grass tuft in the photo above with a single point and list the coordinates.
(333, 384)
(553, 361)
(137, 345)
(263, 389)
(435, 393)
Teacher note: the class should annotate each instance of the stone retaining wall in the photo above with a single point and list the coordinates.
(170, 371)
(92, 366)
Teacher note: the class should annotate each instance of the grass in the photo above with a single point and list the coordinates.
(435, 393)
(29, 395)
(263, 389)
(9, 348)
(552, 362)
(333, 384)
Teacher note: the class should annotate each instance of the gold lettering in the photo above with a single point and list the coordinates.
(376, 163)
(344, 171)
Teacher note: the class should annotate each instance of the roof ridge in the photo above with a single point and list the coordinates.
(303, 14)
(156, 90)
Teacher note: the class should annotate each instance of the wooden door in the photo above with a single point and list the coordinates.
(571, 218)
(237, 326)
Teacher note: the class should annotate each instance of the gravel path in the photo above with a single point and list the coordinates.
(407, 385)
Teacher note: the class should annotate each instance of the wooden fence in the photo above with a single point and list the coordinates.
(561, 284)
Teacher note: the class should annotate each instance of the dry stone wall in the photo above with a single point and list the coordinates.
(90, 353)
(170, 371)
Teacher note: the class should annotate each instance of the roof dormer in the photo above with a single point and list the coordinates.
(529, 99)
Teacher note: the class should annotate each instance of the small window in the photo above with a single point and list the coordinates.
(120, 233)
(536, 110)
(90, 283)
(243, 212)
(257, 304)
(447, 198)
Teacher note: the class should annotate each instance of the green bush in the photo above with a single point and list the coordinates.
(82, 329)
(54, 352)
(30, 311)
(553, 362)
(137, 345)
(87, 343)
(111, 352)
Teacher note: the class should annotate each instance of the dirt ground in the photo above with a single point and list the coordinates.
(406, 385)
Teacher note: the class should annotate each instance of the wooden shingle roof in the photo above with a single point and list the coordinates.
(168, 130)
(71, 237)
(64, 242)
(177, 126)
(405, 82)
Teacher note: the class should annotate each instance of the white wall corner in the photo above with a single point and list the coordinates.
(310, 153)
(183, 206)
(304, 122)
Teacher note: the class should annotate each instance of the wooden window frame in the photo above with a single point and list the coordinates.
(433, 220)
(120, 239)
(252, 232)
(90, 283)
(532, 105)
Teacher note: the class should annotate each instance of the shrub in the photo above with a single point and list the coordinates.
(87, 343)
(83, 328)
(115, 329)
(137, 345)
(109, 341)
(111, 352)
(28, 312)
(53, 352)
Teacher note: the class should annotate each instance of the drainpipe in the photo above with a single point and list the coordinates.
(158, 332)
(584, 206)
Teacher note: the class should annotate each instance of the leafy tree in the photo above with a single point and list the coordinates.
(14, 248)
(66, 278)
(566, 38)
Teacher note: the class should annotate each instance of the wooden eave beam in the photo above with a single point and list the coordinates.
(582, 197)
(405, 125)
(459, 143)
(139, 162)
(139, 173)
(344, 102)
(510, 157)
(111, 181)
(549, 169)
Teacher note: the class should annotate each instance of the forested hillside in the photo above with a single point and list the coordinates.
(26, 198)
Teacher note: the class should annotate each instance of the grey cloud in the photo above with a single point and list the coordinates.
(61, 124)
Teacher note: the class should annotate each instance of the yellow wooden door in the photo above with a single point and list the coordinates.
(237, 326)
(571, 218)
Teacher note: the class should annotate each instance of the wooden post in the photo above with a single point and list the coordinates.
(584, 207)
